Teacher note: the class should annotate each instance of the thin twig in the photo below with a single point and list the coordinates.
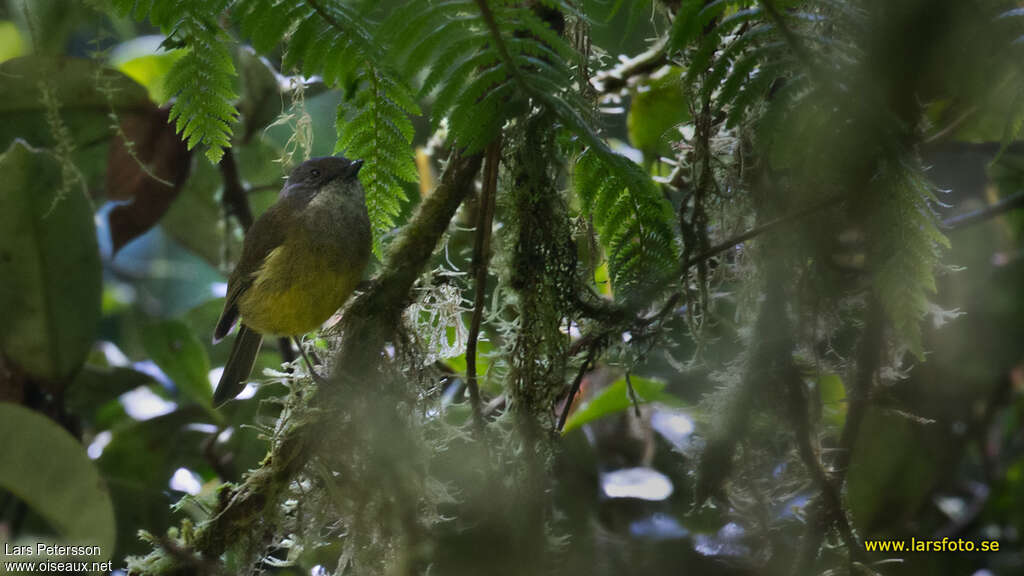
(235, 198)
(949, 128)
(806, 441)
(822, 513)
(1007, 204)
(632, 395)
(575, 388)
(761, 229)
(481, 258)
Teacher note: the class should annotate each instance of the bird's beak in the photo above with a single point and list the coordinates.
(355, 166)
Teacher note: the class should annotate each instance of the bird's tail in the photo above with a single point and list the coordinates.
(239, 366)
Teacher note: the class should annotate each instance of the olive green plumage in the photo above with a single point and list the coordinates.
(300, 262)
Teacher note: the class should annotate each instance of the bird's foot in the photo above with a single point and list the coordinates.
(309, 365)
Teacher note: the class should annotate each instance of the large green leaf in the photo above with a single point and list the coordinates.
(97, 386)
(144, 60)
(615, 399)
(196, 217)
(11, 43)
(83, 92)
(138, 464)
(892, 471)
(177, 351)
(50, 265)
(657, 109)
(833, 399)
(49, 470)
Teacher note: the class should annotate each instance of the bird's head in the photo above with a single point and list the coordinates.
(336, 174)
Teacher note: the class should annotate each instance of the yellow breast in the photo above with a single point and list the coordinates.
(295, 291)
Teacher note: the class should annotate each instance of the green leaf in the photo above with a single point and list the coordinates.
(177, 351)
(95, 386)
(50, 264)
(833, 399)
(11, 44)
(82, 92)
(656, 109)
(893, 468)
(78, 86)
(49, 470)
(139, 462)
(261, 100)
(634, 221)
(376, 128)
(687, 25)
(615, 399)
(142, 60)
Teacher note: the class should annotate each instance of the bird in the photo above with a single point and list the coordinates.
(301, 260)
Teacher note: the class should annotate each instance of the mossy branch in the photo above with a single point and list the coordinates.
(372, 318)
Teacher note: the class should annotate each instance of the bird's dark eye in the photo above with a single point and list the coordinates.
(315, 173)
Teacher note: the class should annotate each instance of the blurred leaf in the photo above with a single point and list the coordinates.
(147, 165)
(142, 59)
(50, 265)
(58, 18)
(615, 399)
(833, 399)
(77, 86)
(891, 471)
(261, 100)
(11, 44)
(658, 107)
(996, 118)
(95, 386)
(49, 470)
(138, 464)
(483, 360)
(168, 279)
(602, 281)
(195, 218)
(177, 351)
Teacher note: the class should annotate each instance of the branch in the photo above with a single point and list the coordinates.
(370, 319)
(820, 515)
(234, 198)
(616, 77)
(829, 498)
(1008, 204)
(1004, 205)
(575, 388)
(411, 251)
(761, 229)
(481, 258)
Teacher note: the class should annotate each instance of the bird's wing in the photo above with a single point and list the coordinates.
(266, 234)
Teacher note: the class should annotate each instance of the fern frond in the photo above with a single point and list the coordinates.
(487, 60)
(906, 245)
(203, 80)
(376, 128)
(634, 221)
(330, 39)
